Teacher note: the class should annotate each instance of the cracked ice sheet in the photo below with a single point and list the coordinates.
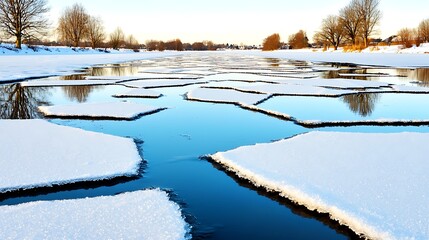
(139, 93)
(163, 83)
(291, 89)
(36, 153)
(147, 214)
(374, 183)
(334, 83)
(55, 83)
(114, 110)
(225, 96)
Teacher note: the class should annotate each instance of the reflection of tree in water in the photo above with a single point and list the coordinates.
(363, 103)
(114, 70)
(17, 102)
(79, 93)
(422, 74)
(274, 62)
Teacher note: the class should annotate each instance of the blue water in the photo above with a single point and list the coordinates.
(217, 204)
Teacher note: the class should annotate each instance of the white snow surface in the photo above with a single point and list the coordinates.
(159, 83)
(225, 96)
(22, 66)
(147, 214)
(292, 89)
(115, 110)
(334, 83)
(139, 93)
(374, 183)
(36, 153)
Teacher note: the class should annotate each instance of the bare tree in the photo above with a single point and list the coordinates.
(370, 15)
(176, 45)
(96, 34)
(424, 30)
(298, 40)
(271, 43)
(117, 38)
(73, 25)
(407, 36)
(131, 42)
(351, 21)
(332, 30)
(23, 19)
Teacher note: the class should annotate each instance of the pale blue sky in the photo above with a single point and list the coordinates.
(232, 21)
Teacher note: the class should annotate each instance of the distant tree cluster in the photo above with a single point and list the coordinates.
(354, 24)
(298, 40)
(414, 36)
(177, 45)
(271, 43)
(78, 28)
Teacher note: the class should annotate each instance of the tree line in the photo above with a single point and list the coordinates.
(353, 26)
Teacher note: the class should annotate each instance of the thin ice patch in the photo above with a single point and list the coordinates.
(114, 110)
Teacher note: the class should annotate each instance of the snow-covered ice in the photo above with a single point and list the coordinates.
(147, 214)
(113, 110)
(139, 93)
(225, 96)
(159, 83)
(334, 83)
(36, 153)
(374, 183)
(18, 67)
(292, 89)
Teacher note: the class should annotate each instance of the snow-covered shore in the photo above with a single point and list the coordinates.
(53, 61)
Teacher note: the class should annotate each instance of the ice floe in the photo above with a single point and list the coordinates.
(335, 83)
(113, 110)
(139, 93)
(225, 96)
(147, 214)
(374, 183)
(159, 83)
(36, 153)
(292, 89)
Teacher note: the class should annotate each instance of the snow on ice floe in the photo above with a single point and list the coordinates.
(56, 83)
(225, 96)
(410, 89)
(139, 93)
(292, 89)
(36, 153)
(147, 214)
(160, 83)
(114, 110)
(116, 79)
(242, 77)
(143, 75)
(335, 83)
(374, 183)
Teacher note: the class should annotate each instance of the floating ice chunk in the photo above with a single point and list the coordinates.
(292, 89)
(410, 89)
(54, 83)
(240, 77)
(335, 83)
(143, 75)
(114, 110)
(163, 83)
(145, 214)
(139, 93)
(225, 96)
(36, 153)
(374, 183)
